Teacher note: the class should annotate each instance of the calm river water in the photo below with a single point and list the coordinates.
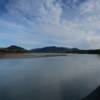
(52, 78)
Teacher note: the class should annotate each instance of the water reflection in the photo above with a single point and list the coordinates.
(54, 78)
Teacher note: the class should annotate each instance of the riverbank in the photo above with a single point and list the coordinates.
(30, 55)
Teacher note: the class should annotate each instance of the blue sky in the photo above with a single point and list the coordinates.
(39, 23)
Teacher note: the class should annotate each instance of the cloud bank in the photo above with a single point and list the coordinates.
(36, 23)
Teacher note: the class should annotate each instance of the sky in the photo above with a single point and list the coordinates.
(40, 23)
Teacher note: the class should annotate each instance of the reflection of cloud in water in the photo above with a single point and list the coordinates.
(55, 78)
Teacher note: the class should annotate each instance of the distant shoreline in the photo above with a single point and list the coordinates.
(35, 55)
(30, 55)
(52, 50)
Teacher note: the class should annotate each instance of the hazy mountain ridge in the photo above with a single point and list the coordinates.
(13, 49)
(54, 49)
(50, 49)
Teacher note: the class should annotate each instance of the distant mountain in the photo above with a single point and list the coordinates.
(13, 49)
(95, 95)
(54, 49)
(51, 49)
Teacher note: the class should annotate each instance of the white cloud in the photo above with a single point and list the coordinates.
(43, 19)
